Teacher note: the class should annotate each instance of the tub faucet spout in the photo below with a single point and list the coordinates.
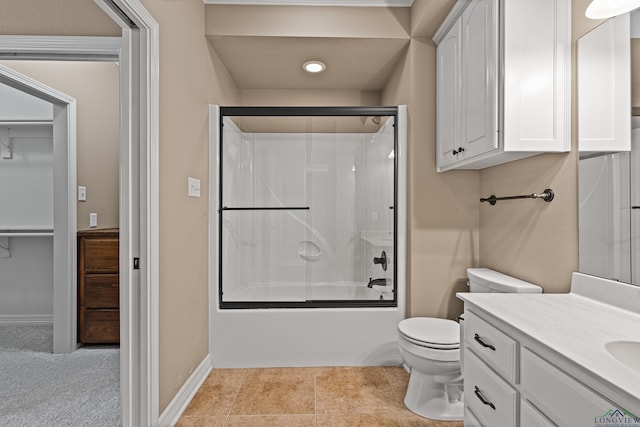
(376, 282)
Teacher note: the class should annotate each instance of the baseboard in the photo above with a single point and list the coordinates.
(26, 319)
(176, 407)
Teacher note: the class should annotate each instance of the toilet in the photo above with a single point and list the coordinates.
(432, 348)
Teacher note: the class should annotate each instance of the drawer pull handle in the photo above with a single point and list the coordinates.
(483, 399)
(482, 343)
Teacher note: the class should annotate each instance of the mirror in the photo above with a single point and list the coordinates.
(609, 145)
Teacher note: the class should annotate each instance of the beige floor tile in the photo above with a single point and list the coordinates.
(271, 420)
(216, 421)
(397, 376)
(340, 396)
(217, 393)
(355, 374)
(399, 380)
(379, 420)
(354, 390)
(276, 391)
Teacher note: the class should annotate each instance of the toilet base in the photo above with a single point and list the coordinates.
(430, 399)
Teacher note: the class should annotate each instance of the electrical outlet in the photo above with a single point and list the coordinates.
(82, 194)
(93, 220)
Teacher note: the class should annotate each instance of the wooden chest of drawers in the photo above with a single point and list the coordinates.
(98, 287)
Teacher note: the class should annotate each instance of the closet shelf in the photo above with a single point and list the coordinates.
(26, 232)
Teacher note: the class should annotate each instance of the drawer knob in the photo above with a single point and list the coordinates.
(482, 343)
(483, 399)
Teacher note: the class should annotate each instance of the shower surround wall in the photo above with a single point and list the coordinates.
(323, 253)
(348, 185)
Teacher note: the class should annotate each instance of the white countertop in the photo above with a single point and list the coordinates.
(575, 326)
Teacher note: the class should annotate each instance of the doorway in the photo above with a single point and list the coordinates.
(138, 184)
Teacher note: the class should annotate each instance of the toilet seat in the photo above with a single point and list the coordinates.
(430, 332)
(434, 346)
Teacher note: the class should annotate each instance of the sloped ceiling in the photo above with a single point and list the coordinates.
(276, 63)
(264, 47)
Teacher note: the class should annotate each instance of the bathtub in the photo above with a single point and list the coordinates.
(261, 338)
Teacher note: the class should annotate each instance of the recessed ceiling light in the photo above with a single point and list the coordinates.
(314, 66)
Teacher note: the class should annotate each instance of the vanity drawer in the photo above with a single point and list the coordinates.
(470, 420)
(489, 397)
(531, 417)
(493, 346)
(560, 397)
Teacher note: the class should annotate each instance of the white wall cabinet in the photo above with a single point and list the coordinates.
(506, 95)
(604, 87)
(507, 382)
(449, 96)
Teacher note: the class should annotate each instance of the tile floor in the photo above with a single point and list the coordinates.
(301, 397)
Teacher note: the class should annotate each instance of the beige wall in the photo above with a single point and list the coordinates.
(95, 86)
(191, 78)
(55, 17)
(533, 240)
(442, 211)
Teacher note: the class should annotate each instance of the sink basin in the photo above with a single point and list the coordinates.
(626, 352)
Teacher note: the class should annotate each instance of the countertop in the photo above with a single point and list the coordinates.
(576, 327)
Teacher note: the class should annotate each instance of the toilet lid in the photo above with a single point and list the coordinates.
(431, 330)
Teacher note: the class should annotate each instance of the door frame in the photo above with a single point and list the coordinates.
(138, 54)
(64, 209)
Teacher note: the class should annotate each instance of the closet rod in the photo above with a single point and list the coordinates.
(547, 195)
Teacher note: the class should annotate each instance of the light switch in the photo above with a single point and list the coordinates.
(194, 187)
(82, 194)
(93, 220)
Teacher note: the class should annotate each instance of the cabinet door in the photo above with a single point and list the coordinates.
(448, 98)
(604, 87)
(536, 63)
(479, 76)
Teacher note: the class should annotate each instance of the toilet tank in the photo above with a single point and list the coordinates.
(487, 280)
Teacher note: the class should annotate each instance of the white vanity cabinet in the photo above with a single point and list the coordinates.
(507, 381)
(503, 82)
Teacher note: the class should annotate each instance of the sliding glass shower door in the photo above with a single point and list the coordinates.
(307, 207)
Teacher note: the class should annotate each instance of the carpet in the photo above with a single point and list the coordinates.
(38, 388)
